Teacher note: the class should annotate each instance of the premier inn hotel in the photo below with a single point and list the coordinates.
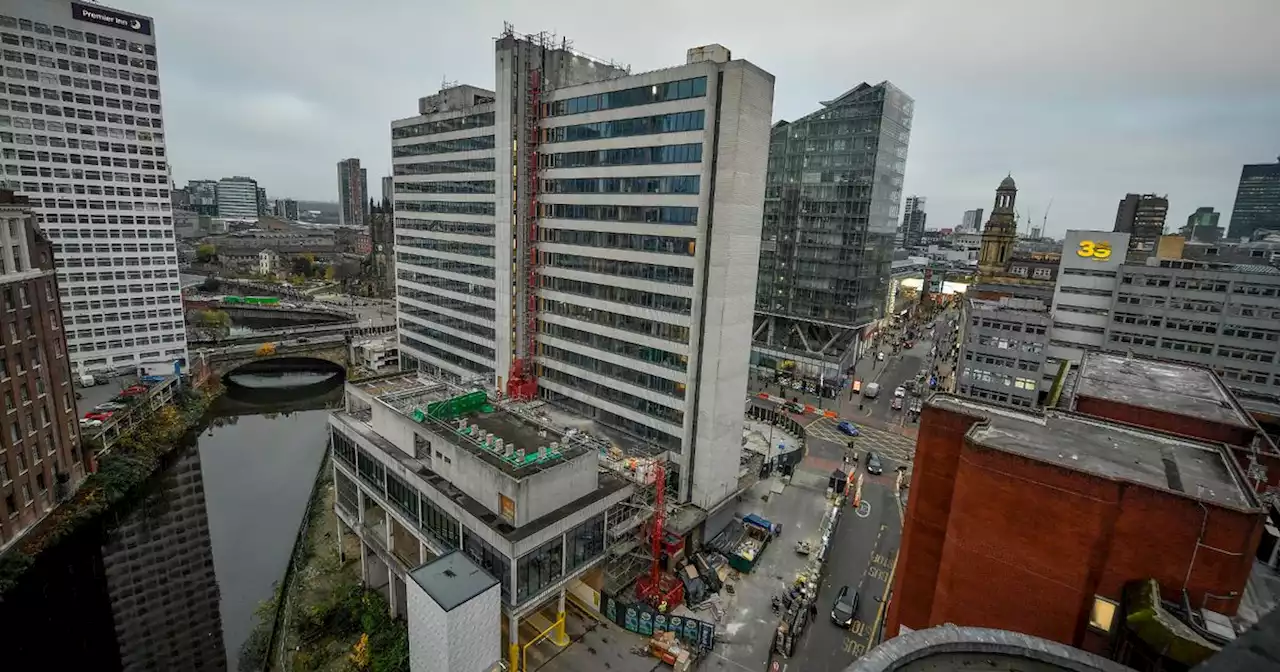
(83, 138)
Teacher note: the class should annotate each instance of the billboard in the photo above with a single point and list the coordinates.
(1099, 250)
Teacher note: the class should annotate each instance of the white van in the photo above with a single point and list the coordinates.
(871, 391)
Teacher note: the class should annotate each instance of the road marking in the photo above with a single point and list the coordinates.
(864, 509)
(884, 597)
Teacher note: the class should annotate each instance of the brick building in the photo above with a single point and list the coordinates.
(40, 458)
(1035, 522)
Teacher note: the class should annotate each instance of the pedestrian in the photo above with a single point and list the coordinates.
(813, 610)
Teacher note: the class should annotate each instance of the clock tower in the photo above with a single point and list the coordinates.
(1000, 232)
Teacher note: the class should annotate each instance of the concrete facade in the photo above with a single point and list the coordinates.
(1087, 276)
(1002, 351)
(445, 263)
(114, 245)
(648, 217)
(238, 198)
(1224, 318)
(1023, 521)
(453, 632)
(424, 489)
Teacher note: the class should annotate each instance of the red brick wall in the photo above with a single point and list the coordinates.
(1156, 535)
(928, 508)
(1023, 546)
(998, 540)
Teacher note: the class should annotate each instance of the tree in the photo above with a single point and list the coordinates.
(210, 325)
(329, 272)
(206, 253)
(210, 285)
(302, 265)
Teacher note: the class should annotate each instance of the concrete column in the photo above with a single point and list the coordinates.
(6, 248)
(558, 636)
(513, 643)
(364, 563)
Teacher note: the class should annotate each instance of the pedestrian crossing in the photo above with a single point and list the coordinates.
(889, 445)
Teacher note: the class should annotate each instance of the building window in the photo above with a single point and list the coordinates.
(441, 526)
(1103, 614)
(489, 559)
(538, 569)
(403, 496)
(371, 471)
(585, 542)
(343, 449)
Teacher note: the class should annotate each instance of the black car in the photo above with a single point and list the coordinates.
(874, 466)
(845, 607)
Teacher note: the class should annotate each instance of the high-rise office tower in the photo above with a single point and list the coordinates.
(238, 197)
(86, 145)
(388, 189)
(353, 193)
(1202, 226)
(40, 458)
(204, 197)
(913, 220)
(263, 207)
(830, 217)
(588, 235)
(972, 221)
(1142, 217)
(1257, 200)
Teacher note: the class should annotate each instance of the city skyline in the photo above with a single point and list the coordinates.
(239, 108)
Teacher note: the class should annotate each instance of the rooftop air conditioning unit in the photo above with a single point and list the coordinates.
(499, 445)
(519, 454)
(542, 453)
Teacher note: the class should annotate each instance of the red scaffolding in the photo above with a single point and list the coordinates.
(523, 381)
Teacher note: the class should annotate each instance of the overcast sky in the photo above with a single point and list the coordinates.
(1082, 100)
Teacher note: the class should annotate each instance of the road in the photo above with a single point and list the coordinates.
(861, 557)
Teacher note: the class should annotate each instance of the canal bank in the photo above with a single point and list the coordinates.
(170, 577)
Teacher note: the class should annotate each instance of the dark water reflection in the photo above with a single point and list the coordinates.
(170, 582)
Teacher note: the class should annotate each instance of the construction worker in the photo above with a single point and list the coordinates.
(662, 607)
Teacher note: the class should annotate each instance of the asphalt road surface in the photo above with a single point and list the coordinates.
(861, 557)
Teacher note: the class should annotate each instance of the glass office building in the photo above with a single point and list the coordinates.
(833, 194)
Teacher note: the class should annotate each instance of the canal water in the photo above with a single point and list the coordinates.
(172, 581)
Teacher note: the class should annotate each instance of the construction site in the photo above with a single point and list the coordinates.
(559, 509)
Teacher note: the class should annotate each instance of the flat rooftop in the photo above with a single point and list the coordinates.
(1112, 451)
(523, 425)
(607, 485)
(1160, 385)
(452, 580)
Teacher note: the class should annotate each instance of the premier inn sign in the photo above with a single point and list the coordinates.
(110, 18)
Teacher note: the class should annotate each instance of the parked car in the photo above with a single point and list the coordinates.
(133, 390)
(845, 607)
(109, 406)
(896, 404)
(86, 422)
(900, 392)
(98, 415)
(874, 465)
(847, 427)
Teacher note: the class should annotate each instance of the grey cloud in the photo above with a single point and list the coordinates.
(1082, 100)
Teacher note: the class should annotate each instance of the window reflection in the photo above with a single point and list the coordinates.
(539, 569)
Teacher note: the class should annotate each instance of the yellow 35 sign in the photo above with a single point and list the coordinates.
(1090, 249)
